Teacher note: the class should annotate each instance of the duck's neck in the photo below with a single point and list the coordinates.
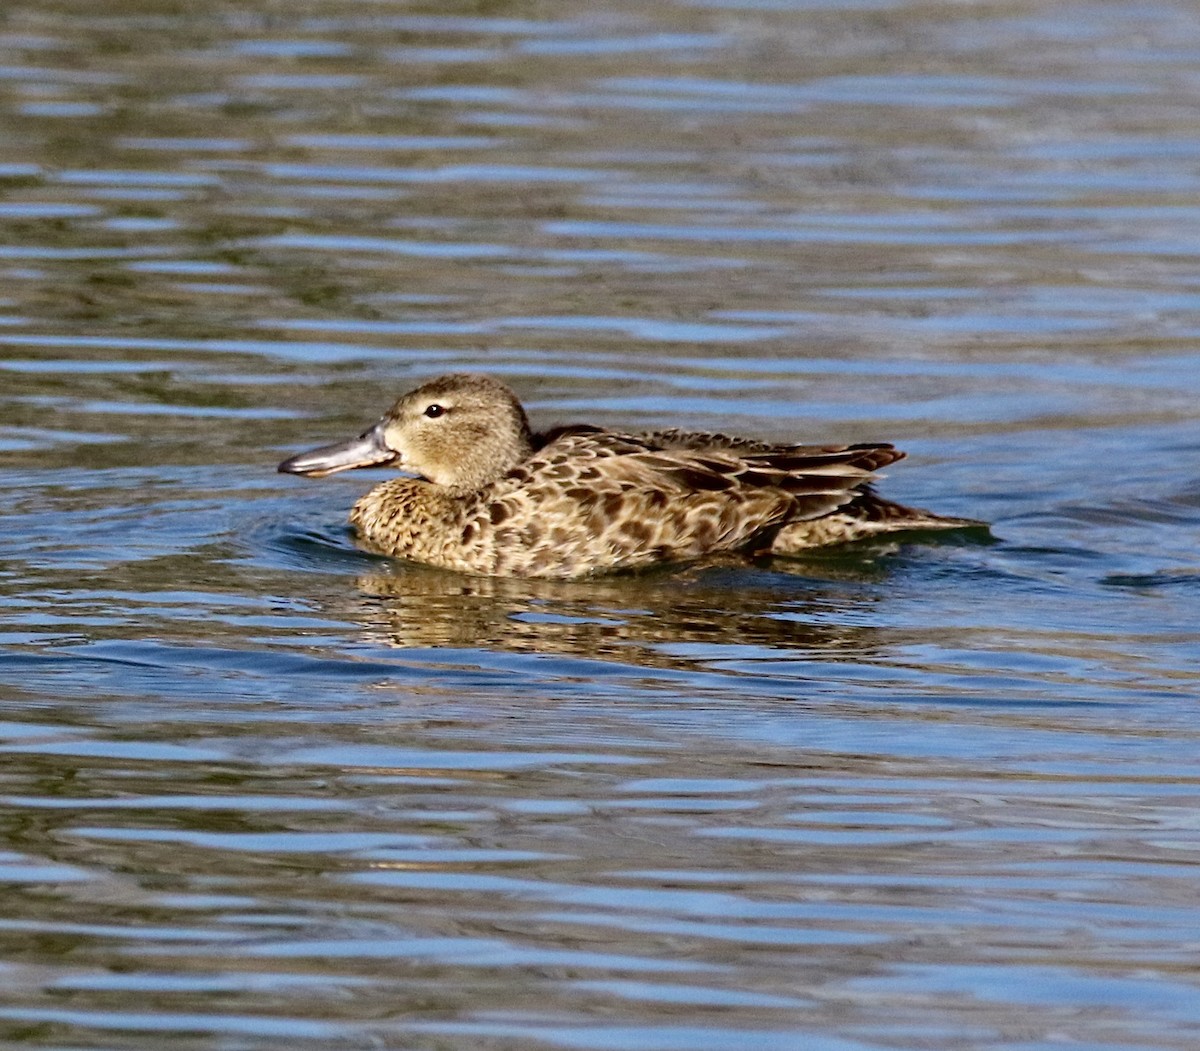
(515, 446)
(495, 456)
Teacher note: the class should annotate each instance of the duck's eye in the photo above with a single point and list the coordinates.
(434, 411)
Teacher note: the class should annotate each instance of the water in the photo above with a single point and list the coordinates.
(261, 790)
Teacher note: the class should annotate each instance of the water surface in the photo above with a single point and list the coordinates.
(262, 790)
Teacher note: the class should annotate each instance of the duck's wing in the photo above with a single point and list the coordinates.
(704, 441)
(593, 455)
(818, 481)
(872, 455)
(778, 482)
(594, 499)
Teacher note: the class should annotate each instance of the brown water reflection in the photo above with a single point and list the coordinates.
(644, 621)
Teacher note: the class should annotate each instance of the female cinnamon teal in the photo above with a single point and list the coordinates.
(491, 497)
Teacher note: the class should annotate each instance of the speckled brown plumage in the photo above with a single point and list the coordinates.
(493, 498)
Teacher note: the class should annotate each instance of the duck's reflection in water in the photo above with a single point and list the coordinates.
(656, 620)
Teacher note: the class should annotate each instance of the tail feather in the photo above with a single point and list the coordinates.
(866, 516)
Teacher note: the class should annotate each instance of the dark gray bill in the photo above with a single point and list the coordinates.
(367, 450)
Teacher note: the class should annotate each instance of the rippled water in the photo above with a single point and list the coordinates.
(261, 790)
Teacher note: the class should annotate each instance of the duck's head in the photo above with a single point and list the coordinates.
(461, 430)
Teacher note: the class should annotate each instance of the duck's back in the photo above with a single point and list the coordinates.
(592, 500)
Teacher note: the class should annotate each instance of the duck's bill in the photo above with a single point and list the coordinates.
(367, 450)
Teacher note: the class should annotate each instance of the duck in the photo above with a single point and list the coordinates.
(482, 493)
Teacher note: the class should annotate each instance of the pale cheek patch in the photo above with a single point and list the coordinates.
(393, 438)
